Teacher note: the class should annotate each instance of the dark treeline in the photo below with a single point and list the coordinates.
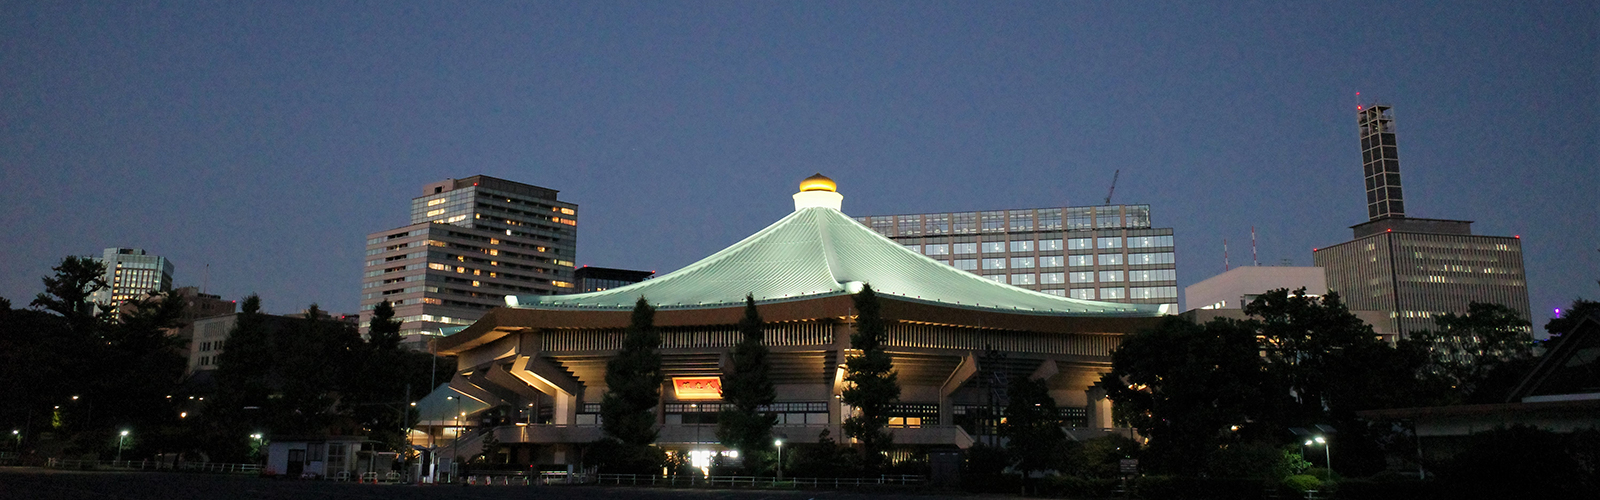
(78, 373)
(1226, 398)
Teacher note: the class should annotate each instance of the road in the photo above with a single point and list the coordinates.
(48, 484)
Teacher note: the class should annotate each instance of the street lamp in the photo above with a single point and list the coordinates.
(779, 442)
(17, 434)
(1327, 455)
(120, 440)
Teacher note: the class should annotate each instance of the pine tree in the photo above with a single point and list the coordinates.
(741, 425)
(383, 332)
(67, 293)
(874, 386)
(633, 380)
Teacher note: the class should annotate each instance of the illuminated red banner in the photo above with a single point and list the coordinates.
(697, 387)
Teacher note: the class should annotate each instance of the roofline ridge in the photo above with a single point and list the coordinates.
(706, 261)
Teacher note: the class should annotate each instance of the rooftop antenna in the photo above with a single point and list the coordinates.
(1224, 255)
(205, 280)
(1113, 186)
(1253, 260)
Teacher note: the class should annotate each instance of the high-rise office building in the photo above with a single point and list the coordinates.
(470, 243)
(1415, 269)
(131, 273)
(1108, 253)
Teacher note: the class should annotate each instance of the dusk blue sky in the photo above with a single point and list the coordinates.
(266, 139)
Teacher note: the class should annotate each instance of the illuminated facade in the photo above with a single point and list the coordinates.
(1414, 270)
(131, 273)
(1108, 253)
(533, 372)
(1410, 268)
(471, 243)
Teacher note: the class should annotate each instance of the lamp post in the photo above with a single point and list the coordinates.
(780, 458)
(17, 434)
(256, 441)
(123, 437)
(1327, 455)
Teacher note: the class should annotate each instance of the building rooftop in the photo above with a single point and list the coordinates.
(818, 251)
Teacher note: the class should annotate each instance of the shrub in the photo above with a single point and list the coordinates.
(1302, 483)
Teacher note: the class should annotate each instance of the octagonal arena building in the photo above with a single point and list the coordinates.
(533, 372)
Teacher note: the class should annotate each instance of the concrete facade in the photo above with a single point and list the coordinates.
(471, 242)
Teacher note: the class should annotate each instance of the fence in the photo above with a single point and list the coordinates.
(757, 481)
(213, 467)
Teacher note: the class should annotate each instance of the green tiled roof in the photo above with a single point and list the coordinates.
(819, 252)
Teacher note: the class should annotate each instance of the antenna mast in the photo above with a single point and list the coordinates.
(1113, 186)
(1224, 255)
(1253, 260)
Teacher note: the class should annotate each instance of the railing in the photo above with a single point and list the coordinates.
(215, 467)
(521, 478)
(757, 481)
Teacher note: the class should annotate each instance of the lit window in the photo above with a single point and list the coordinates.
(994, 263)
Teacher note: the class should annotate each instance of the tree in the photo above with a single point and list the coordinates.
(874, 386)
(741, 424)
(67, 293)
(1570, 317)
(1033, 424)
(383, 331)
(1467, 349)
(633, 381)
(1186, 386)
(1314, 348)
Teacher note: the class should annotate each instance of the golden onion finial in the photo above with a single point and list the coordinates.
(818, 182)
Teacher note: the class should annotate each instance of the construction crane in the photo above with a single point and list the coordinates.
(1113, 186)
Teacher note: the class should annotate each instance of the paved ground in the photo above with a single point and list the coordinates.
(47, 484)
